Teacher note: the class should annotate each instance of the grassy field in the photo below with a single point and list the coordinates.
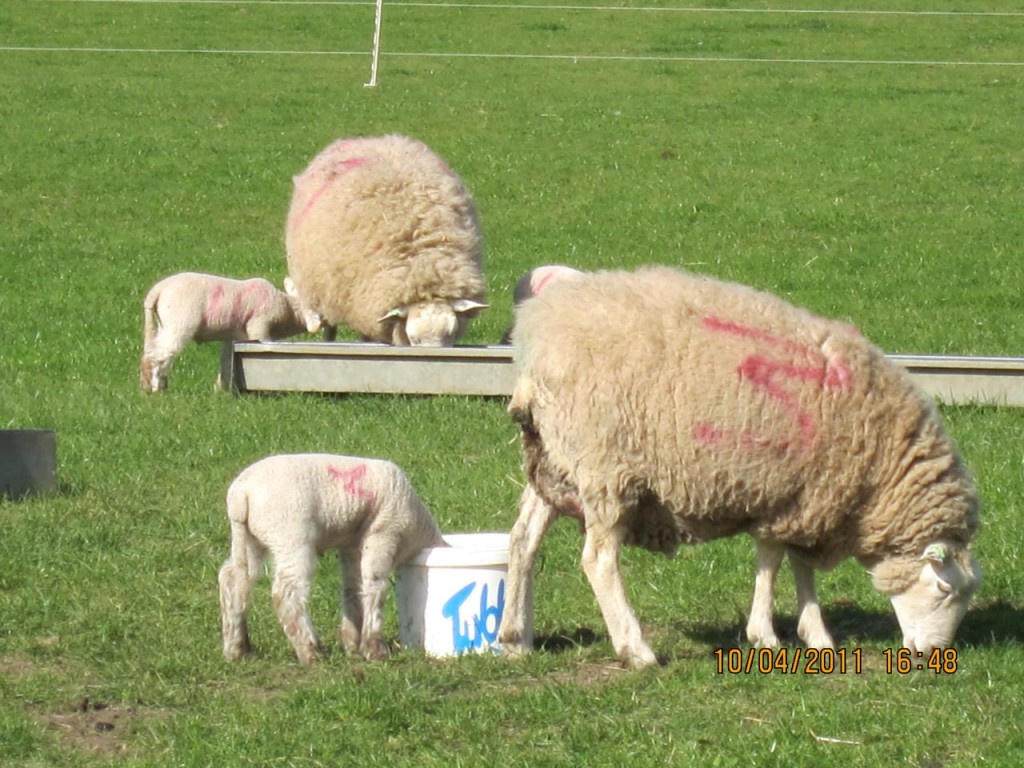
(864, 164)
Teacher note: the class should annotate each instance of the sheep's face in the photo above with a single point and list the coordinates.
(431, 324)
(930, 609)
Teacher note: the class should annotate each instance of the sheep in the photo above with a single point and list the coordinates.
(535, 281)
(661, 408)
(383, 237)
(296, 506)
(192, 306)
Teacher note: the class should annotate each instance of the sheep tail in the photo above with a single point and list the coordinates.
(150, 317)
(150, 326)
(520, 407)
(246, 551)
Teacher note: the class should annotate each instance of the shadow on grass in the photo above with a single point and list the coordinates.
(997, 623)
(560, 642)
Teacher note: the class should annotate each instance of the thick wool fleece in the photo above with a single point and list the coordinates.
(704, 409)
(378, 223)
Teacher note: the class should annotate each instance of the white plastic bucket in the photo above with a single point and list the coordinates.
(451, 599)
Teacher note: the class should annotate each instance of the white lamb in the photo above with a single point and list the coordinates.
(297, 506)
(383, 237)
(192, 306)
(662, 408)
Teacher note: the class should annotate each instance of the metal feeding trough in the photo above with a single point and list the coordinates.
(353, 367)
(349, 367)
(28, 462)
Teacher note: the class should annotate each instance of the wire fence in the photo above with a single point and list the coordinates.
(375, 23)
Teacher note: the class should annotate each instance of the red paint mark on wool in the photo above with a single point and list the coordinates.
(837, 375)
(708, 434)
(352, 481)
(764, 375)
(249, 301)
(214, 307)
(779, 380)
(744, 331)
(336, 172)
(544, 280)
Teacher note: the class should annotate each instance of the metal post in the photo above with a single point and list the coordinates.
(376, 46)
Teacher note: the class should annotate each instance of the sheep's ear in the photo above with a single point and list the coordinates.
(462, 306)
(936, 553)
(395, 314)
(289, 287)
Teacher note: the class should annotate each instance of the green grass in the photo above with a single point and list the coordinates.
(885, 194)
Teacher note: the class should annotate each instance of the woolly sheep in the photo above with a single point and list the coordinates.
(296, 506)
(535, 281)
(662, 408)
(191, 306)
(383, 237)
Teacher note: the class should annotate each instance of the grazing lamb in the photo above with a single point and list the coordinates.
(535, 281)
(191, 306)
(662, 408)
(383, 237)
(297, 506)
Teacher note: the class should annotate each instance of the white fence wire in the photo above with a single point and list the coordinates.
(375, 49)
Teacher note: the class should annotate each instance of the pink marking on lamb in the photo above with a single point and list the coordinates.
(214, 307)
(250, 300)
(336, 172)
(352, 480)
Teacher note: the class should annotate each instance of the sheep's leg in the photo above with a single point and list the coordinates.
(601, 565)
(224, 375)
(378, 555)
(810, 624)
(235, 589)
(760, 629)
(292, 580)
(352, 606)
(535, 517)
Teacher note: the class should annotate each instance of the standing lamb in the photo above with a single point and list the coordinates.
(296, 507)
(383, 237)
(191, 306)
(662, 408)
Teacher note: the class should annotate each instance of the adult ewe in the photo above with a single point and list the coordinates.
(383, 237)
(297, 506)
(663, 408)
(192, 306)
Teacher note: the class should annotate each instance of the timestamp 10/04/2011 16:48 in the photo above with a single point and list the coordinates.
(828, 661)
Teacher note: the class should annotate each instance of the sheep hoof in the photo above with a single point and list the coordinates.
(639, 658)
(308, 656)
(513, 650)
(769, 640)
(375, 650)
(236, 652)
